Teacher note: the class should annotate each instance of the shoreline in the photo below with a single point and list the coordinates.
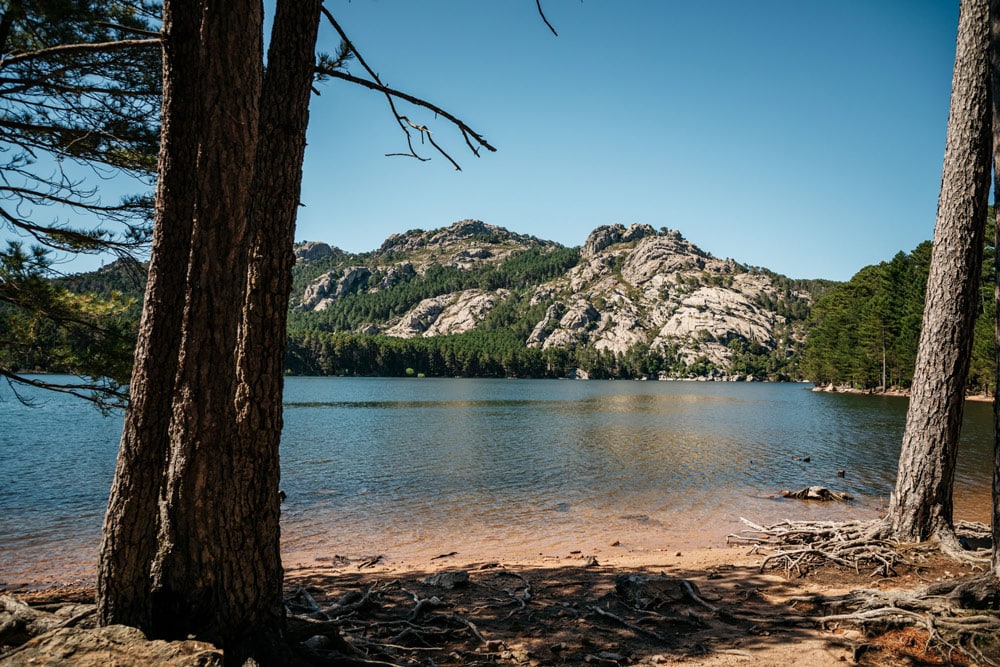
(900, 393)
(615, 540)
(542, 609)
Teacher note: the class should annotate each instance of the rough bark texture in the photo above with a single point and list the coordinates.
(130, 526)
(274, 205)
(921, 504)
(192, 536)
(995, 90)
(205, 572)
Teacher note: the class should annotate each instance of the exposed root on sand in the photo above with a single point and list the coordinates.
(796, 547)
(959, 615)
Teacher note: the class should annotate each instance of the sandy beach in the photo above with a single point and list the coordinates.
(709, 606)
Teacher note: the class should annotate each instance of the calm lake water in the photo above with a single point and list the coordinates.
(412, 468)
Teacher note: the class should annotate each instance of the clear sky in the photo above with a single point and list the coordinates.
(799, 135)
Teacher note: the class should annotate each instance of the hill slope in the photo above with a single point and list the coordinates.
(632, 301)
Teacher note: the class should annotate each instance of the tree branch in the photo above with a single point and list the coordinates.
(101, 395)
(125, 28)
(538, 4)
(473, 139)
(468, 133)
(73, 49)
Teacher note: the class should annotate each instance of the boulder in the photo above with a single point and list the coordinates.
(448, 580)
(817, 493)
(310, 251)
(112, 645)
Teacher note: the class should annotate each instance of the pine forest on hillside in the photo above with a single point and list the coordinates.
(860, 334)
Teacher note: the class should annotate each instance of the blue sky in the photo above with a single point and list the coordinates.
(799, 135)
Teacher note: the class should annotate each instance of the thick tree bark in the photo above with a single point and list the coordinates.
(175, 558)
(205, 572)
(921, 505)
(995, 91)
(263, 332)
(130, 528)
(192, 532)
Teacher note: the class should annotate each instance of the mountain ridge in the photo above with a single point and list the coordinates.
(626, 291)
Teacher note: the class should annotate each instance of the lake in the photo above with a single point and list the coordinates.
(412, 468)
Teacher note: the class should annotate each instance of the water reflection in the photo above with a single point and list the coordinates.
(416, 467)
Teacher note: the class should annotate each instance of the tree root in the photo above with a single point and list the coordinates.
(941, 609)
(864, 546)
(798, 546)
(958, 615)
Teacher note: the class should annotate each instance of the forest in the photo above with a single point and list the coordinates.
(864, 333)
(861, 334)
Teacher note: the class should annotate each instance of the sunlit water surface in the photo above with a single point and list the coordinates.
(412, 468)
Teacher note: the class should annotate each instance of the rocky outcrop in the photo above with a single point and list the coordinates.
(637, 287)
(395, 274)
(463, 232)
(466, 259)
(447, 314)
(311, 251)
(660, 258)
(332, 286)
(718, 314)
(607, 235)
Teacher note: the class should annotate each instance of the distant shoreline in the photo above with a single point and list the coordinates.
(902, 393)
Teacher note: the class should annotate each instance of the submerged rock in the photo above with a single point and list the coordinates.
(817, 493)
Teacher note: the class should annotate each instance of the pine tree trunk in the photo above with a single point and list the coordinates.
(995, 90)
(130, 525)
(921, 505)
(205, 573)
(178, 554)
(192, 532)
(263, 333)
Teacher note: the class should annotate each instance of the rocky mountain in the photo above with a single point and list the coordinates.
(628, 294)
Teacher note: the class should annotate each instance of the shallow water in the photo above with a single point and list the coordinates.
(412, 468)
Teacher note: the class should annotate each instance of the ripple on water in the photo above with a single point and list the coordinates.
(414, 468)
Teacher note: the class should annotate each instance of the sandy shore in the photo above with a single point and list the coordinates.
(565, 589)
(567, 608)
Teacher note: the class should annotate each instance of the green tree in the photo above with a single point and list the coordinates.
(44, 326)
(869, 326)
(203, 421)
(78, 87)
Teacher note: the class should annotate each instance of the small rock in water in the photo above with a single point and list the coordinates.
(817, 493)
